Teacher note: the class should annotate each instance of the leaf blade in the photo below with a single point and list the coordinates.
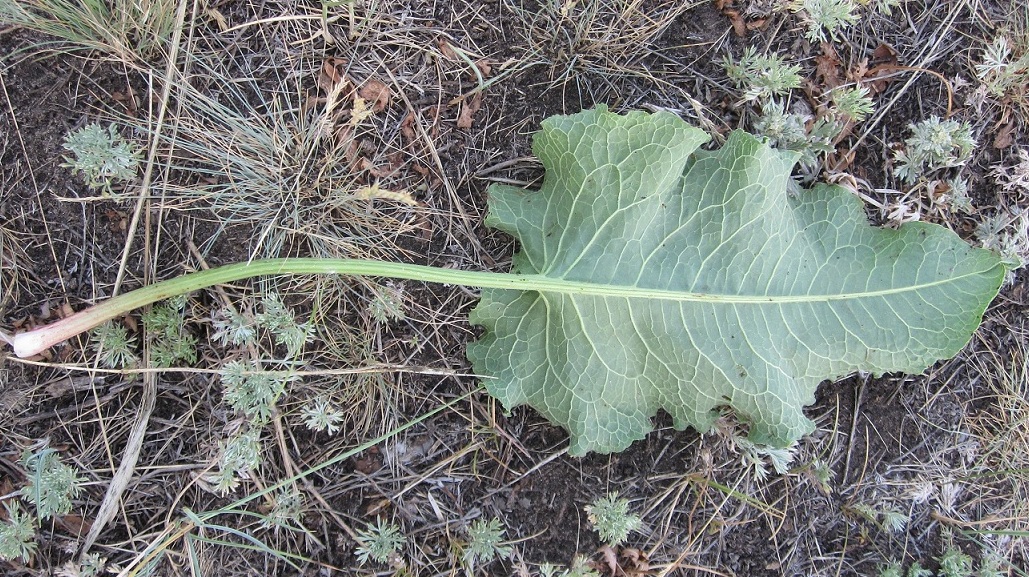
(750, 298)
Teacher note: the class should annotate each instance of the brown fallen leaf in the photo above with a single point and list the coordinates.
(485, 68)
(827, 67)
(739, 25)
(407, 130)
(635, 562)
(447, 50)
(73, 524)
(376, 92)
(331, 74)
(758, 24)
(466, 116)
(1005, 136)
(610, 559)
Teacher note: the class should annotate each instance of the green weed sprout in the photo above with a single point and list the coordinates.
(762, 77)
(753, 456)
(240, 455)
(825, 16)
(891, 569)
(114, 345)
(17, 534)
(790, 131)
(1000, 72)
(170, 343)
(232, 327)
(322, 416)
(1008, 235)
(379, 542)
(852, 103)
(916, 570)
(611, 518)
(485, 542)
(580, 568)
(287, 504)
(252, 391)
(387, 303)
(934, 144)
(51, 485)
(280, 321)
(954, 563)
(102, 156)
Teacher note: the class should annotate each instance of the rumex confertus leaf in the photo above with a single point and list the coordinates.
(748, 297)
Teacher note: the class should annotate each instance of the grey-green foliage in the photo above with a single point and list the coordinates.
(1001, 71)
(916, 570)
(322, 415)
(17, 534)
(755, 456)
(282, 323)
(852, 103)
(934, 144)
(485, 542)
(380, 542)
(51, 483)
(1008, 234)
(170, 342)
(762, 77)
(287, 506)
(251, 390)
(387, 304)
(233, 327)
(580, 568)
(102, 156)
(114, 345)
(797, 132)
(239, 455)
(955, 563)
(825, 18)
(610, 516)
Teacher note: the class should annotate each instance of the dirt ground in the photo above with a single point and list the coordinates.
(907, 444)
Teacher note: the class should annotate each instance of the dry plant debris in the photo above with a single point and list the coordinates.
(363, 128)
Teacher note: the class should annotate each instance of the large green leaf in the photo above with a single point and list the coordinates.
(740, 294)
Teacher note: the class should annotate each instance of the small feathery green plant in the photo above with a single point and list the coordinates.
(102, 156)
(1007, 234)
(170, 342)
(580, 568)
(1002, 72)
(380, 542)
(796, 132)
(762, 77)
(851, 103)
(322, 415)
(51, 483)
(888, 519)
(610, 516)
(825, 18)
(955, 563)
(768, 81)
(116, 349)
(281, 322)
(387, 303)
(754, 456)
(17, 534)
(934, 144)
(485, 543)
(239, 456)
(251, 390)
(287, 506)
